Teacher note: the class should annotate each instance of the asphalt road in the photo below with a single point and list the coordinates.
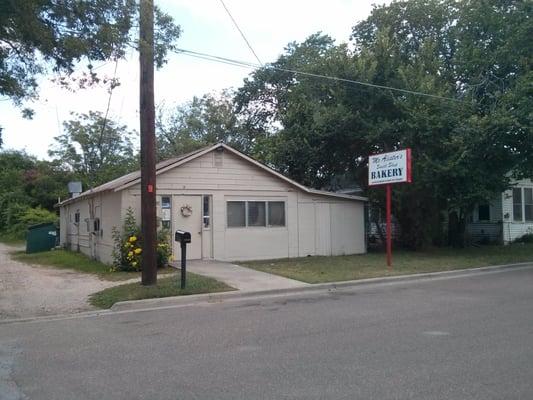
(460, 338)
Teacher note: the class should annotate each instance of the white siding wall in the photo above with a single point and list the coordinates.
(329, 226)
(320, 225)
(514, 229)
(77, 237)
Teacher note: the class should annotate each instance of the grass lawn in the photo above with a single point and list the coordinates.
(371, 265)
(166, 287)
(78, 262)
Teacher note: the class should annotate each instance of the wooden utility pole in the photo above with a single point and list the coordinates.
(147, 116)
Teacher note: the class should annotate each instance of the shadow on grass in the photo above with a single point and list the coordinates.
(166, 287)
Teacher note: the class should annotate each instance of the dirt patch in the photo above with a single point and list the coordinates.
(31, 290)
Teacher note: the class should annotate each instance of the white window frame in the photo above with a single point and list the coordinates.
(522, 190)
(267, 216)
(524, 204)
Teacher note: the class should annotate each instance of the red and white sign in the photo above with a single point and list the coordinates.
(393, 167)
(386, 169)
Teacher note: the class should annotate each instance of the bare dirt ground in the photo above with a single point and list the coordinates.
(31, 290)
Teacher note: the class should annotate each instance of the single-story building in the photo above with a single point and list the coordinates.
(505, 218)
(235, 207)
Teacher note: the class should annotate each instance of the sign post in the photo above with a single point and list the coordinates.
(387, 169)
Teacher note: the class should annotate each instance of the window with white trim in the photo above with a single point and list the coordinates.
(166, 205)
(206, 206)
(517, 204)
(255, 214)
(528, 204)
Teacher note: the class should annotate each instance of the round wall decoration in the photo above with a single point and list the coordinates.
(186, 210)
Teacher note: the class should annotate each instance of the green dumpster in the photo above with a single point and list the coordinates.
(41, 237)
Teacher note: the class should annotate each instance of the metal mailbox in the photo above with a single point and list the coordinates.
(182, 236)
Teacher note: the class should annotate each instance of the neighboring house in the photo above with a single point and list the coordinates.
(506, 218)
(235, 208)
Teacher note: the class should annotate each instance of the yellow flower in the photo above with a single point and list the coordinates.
(133, 238)
(138, 251)
(130, 254)
(134, 263)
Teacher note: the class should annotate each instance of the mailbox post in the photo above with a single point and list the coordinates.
(184, 238)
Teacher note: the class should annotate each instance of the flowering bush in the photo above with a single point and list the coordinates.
(127, 254)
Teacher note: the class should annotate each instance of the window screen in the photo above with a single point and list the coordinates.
(517, 204)
(528, 204)
(236, 213)
(276, 213)
(483, 212)
(256, 213)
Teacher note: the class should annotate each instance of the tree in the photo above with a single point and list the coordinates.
(317, 129)
(202, 121)
(39, 35)
(94, 148)
(30, 190)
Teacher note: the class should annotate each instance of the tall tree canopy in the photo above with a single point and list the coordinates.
(475, 53)
(39, 35)
(202, 121)
(30, 190)
(95, 149)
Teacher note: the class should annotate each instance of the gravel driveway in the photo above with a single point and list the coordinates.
(29, 291)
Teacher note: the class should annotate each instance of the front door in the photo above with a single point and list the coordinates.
(187, 216)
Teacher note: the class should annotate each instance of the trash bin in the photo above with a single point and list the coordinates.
(41, 237)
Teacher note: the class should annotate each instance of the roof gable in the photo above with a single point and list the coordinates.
(134, 178)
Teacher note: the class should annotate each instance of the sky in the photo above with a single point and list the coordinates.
(268, 25)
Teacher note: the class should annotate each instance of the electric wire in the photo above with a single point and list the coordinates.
(244, 64)
(241, 32)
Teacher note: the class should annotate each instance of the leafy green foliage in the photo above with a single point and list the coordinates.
(202, 121)
(96, 149)
(30, 190)
(127, 251)
(475, 53)
(40, 35)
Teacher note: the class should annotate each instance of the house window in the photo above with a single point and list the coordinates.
(166, 204)
(206, 212)
(483, 212)
(256, 213)
(517, 204)
(77, 217)
(96, 225)
(236, 214)
(276, 213)
(528, 204)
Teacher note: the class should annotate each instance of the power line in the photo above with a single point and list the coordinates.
(241, 32)
(244, 64)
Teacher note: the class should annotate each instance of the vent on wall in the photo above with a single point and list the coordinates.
(219, 159)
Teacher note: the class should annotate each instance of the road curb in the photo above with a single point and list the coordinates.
(330, 286)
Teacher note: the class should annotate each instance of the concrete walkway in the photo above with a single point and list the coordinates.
(241, 278)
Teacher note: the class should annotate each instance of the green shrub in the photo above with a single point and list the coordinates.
(527, 238)
(19, 218)
(127, 252)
